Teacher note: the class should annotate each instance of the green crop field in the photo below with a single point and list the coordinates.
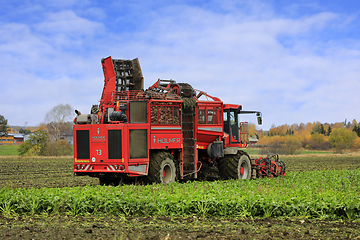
(318, 198)
(317, 194)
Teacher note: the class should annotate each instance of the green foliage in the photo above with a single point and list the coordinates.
(313, 136)
(291, 144)
(24, 131)
(329, 130)
(356, 129)
(289, 132)
(35, 145)
(34, 150)
(318, 194)
(58, 148)
(3, 126)
(318, 138)
(275, 147)
(318, 141)
(342, 139)
(319, 129)
(39, 144)
(287, 144)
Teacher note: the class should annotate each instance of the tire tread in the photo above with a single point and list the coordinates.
(228, 165)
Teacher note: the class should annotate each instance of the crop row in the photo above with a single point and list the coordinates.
(318, 194)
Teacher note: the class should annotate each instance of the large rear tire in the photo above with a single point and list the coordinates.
(235, 166)
(162, 168)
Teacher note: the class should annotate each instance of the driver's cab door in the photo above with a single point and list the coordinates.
(231, 124)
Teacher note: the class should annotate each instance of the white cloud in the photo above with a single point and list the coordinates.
(68, 23)
(290, 68)
(38, 69)
(62, 3)
(243, 62)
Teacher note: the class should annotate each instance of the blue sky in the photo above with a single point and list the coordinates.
(296, 61)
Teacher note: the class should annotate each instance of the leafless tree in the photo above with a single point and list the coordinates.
(58, 121)
(3, 125)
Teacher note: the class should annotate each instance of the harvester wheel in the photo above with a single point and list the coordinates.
(235, 166)
(162, 168)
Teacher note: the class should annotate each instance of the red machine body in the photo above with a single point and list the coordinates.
(162, 134)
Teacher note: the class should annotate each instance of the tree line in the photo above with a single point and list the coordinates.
(288, 139)
(48, 138)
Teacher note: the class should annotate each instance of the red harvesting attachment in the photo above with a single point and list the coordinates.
(270, 166)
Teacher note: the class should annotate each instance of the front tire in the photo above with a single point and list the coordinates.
(235, 166)
(162, 168)
(244, 168)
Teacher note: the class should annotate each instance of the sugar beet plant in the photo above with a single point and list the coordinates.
(317, 194)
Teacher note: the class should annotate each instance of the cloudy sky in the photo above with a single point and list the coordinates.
(294, 60)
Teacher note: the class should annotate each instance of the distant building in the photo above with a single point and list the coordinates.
(18, 138)
(27, 135)
(6, 139)
(13, 138)
(253, 140)
(68, 136)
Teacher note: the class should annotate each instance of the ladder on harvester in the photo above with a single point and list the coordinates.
(188, 141)
(244, 133)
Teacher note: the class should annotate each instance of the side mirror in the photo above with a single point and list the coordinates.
(259, 118)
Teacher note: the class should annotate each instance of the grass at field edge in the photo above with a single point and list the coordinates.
(9, 150)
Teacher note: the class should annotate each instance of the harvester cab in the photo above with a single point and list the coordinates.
(238, 131)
